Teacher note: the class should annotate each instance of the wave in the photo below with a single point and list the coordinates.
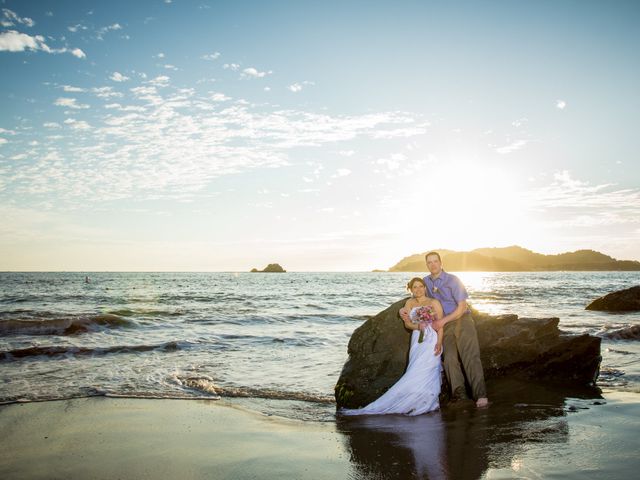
(628, 333)
(61, 326)
(205, 384)
(54, 351)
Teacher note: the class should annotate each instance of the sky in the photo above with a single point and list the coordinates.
(324, 136)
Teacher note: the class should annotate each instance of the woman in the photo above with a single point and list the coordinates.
(418, 389)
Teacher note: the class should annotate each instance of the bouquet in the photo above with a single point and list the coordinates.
(423, 316)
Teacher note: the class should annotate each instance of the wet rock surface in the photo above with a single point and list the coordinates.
(627, 300)
(521, 348)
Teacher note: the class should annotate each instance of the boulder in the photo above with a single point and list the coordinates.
(271, 268)
(522, 348)
(621, 301)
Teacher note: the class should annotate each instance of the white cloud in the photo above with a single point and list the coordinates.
(102, 31)
(346, 153)
(211, 56)
(231, 66)
(393, 162)
(267, 89)
(10, 18)
(170, 67)
(3, 141)
(12, 41)
(512, 147)
(77, 124)
(69, 103)
(105, 92)
(298, 86)
(254, 73)
(219, 97)
(160, 81)
(118, 77)
(72, 89)
(76, 52)
(342, 172)
(561, 104)
(568, 201)
(51, 125)
(75, 28)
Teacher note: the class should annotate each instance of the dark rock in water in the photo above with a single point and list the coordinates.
(522, 348)
(629, 333)
(621, 301)
(271, 268)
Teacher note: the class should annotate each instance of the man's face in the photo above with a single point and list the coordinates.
(434, 264)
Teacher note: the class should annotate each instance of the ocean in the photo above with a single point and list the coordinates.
(272, 342)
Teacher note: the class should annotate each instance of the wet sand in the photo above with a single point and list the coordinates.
(549, 436)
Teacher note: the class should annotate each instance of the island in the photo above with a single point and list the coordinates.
(517, 259)
(271, 268)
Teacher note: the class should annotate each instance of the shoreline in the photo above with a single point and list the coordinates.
(107, 437)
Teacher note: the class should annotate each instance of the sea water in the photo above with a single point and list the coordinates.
(252, 336)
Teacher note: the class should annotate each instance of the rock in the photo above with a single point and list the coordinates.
(522, 348)
(621, 301)
(271, 268)
(628, 333)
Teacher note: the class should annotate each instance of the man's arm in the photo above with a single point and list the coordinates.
(456, 314)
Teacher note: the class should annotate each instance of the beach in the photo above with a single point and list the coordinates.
(110, 438)
(231, 376)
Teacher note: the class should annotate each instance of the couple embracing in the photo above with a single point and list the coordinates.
(438, 314)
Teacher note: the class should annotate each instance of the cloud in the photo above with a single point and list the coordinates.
(102, 31)
(231, 66)
(211, 56)
(297, 87)
(77, 124)
(254, 73)
(76, 52)
(51, 125)
(3, 141)
(69, 103)
(118, 77)
(512, 147)
(159, 141)
(12, 41)
(393, 162)
(72, 89)
(561, 104)
(569, 201)
(10, 18)
(170, 67)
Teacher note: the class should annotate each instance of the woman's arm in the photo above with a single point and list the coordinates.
(404, 314)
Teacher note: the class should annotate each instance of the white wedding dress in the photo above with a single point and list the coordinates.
(418, 389)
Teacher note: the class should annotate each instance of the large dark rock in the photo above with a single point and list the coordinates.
(523, 348)
(621, 301)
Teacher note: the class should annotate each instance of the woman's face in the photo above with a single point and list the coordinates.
(418, 289)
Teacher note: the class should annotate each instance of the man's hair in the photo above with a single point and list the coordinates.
(432, 253)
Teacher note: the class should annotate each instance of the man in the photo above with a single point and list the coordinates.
(460, 337)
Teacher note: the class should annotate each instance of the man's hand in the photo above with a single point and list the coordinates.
(404, 314)
(437, 324)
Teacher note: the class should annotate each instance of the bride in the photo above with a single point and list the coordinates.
(418, 389)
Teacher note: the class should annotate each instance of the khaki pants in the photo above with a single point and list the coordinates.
(461, 345)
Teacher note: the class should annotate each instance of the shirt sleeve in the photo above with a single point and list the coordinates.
(458, 291)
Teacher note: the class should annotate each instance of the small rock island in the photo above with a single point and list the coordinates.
(271, 268)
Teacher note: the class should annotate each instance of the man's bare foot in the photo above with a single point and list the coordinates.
(482, 402)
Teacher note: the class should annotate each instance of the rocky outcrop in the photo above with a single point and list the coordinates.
(524, 348)
(621, 301)
(271, 268)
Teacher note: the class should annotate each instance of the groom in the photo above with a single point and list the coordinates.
(460, 337)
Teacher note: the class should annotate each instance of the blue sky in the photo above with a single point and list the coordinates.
(214, 135)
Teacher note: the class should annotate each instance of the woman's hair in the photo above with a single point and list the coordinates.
(414, 280)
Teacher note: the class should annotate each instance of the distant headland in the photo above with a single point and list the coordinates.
(271, 268)
(517, 259)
